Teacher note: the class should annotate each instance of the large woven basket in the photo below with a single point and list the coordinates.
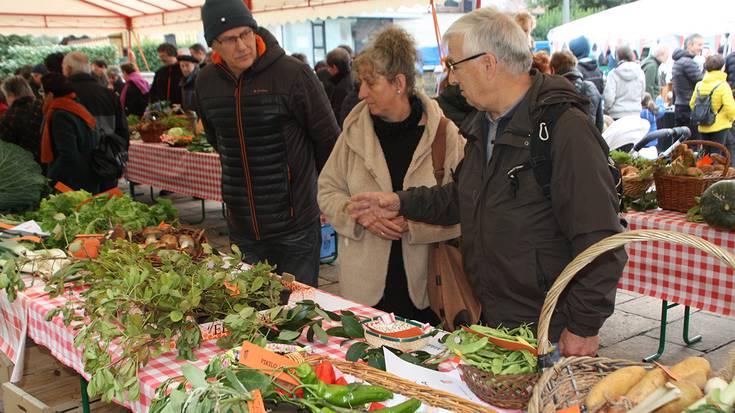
(678, 193)
(569, 380)
(432, 397)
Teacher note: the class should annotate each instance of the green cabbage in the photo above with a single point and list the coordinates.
(21, 180)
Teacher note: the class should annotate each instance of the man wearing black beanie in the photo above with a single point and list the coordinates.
(269, 119)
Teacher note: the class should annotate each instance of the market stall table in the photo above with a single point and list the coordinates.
(174, 169)
(30, 308)
(677, 274)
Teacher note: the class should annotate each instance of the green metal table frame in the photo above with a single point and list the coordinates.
(197, 222)
(665, 307)
(85, 396)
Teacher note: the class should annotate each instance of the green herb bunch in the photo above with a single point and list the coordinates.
(133, 310)
(64, 217)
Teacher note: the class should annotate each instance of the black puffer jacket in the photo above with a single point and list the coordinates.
(730, 69)
(101, 103)
(588, 89)
(684, 75)
(274, 129)
(454, 105)
(591, 72)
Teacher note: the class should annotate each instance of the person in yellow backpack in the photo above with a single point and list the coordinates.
(722, 102)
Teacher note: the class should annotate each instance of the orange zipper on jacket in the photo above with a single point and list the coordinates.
(244, 152)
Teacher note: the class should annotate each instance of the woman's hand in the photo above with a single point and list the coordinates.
(402, 222)
(384, 228)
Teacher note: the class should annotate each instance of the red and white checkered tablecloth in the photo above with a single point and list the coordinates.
(676, 273)
(59, 339)
(13, 329)
(177, 170)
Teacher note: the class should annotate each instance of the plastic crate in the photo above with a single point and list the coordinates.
(329, 245)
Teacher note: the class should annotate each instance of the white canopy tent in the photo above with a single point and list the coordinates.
(102, 17)
(651, 20)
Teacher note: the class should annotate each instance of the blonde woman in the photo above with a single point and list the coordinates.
(386, 146)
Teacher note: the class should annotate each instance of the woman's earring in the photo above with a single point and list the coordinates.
(399, 91)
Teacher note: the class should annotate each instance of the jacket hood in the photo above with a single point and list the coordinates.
(545, 90)
(573, 75)
(273, 52)
(714, 76)
(628, 71)
(453, 95)
(679, 53)
(589, 64)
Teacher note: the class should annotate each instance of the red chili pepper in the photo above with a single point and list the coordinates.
(341, 381)
(325, 372)
(376, 406)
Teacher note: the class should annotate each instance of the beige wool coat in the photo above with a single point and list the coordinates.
(357, 165)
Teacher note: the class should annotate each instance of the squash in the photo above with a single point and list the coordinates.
(718, 205)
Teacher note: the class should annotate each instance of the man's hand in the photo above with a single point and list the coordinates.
(373, 206)
(571, 344)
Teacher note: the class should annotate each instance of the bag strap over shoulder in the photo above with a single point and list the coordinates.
(439, 150)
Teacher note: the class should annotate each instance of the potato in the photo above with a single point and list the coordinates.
(170, 241)
(613, 386)
(648, 384)
(693, 369)
(690, 393)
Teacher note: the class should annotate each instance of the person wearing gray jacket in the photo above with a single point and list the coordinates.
(625, 86)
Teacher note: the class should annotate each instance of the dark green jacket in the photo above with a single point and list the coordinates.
(650, 68)
(73, 143)
(454, 105)
(515, 246)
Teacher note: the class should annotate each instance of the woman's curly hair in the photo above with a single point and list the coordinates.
(392, 52)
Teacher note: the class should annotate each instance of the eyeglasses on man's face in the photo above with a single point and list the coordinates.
(450, 66)
(231, 41)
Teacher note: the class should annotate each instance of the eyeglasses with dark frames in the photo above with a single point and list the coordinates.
(231, 41)
(450, 66)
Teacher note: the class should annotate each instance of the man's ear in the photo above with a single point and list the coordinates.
(489, 65)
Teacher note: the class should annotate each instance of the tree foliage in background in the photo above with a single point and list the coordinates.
(553, 17)
(151, 54)
(16, 56)
(582, 4)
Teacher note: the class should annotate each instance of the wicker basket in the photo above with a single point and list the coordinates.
(677, 193)
(152, 134)
(635, 188)
(568, 382)
(406, 345)
(197, 234)
(510, 391)
(408, 388)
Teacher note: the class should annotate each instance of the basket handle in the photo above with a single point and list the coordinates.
(611, 243)
(718, 146)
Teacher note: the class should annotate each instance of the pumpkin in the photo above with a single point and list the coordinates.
(718, 205)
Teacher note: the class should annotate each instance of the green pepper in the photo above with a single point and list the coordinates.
(349, 396)
(306, 374)
(409, 406)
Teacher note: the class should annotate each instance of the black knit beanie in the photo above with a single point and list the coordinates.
(57, 84)
(218, 16)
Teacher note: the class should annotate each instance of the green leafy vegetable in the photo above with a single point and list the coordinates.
(21, 180)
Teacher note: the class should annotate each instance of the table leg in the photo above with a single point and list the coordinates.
(687, 340)
(131, 186)
(152, 197)
(224, 211)
(662, 332)
(204, 213)
(85, 396)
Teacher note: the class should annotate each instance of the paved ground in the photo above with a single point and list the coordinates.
(631, 332)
